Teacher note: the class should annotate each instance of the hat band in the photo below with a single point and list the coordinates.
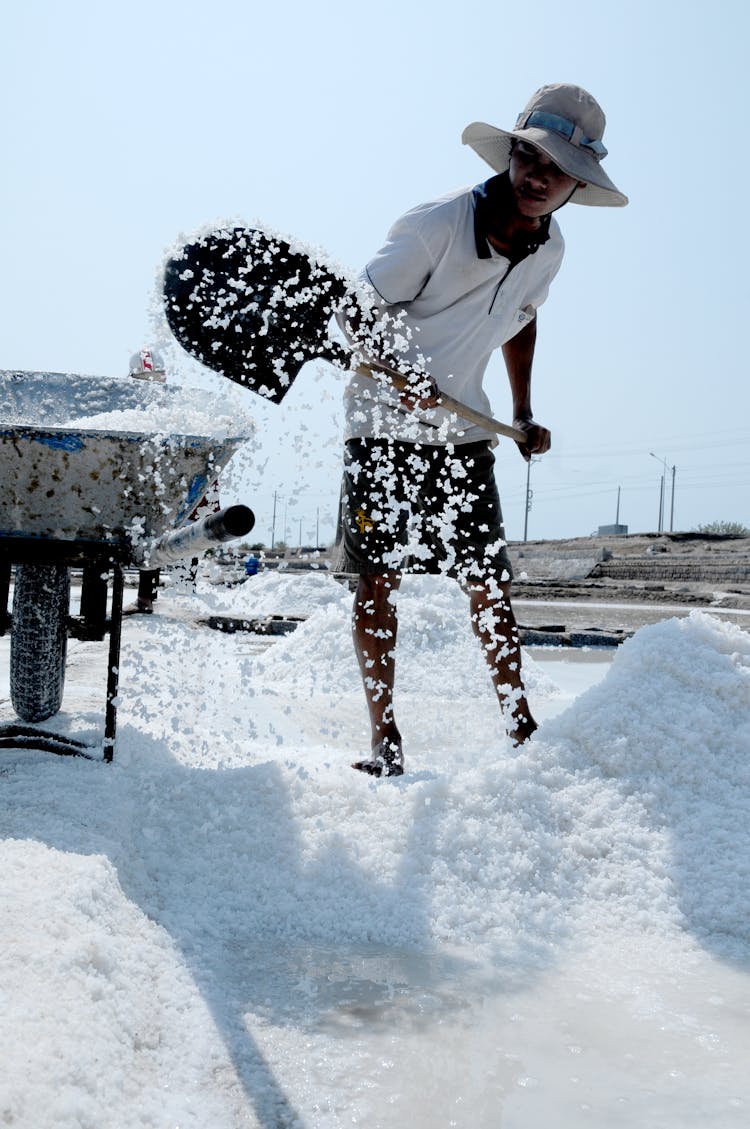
(567, 129)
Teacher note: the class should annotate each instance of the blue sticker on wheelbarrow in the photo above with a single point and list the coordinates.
(62, 442)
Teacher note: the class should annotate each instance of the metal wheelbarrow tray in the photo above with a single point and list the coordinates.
(79, 488)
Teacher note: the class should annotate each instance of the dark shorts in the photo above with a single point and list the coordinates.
(420, 508)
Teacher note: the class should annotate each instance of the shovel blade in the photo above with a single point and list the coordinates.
(246, 304)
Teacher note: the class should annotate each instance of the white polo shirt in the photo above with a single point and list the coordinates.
(457, 308)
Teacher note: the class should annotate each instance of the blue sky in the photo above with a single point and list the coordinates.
(126, 125)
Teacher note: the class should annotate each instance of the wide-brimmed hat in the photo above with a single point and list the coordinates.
(567, 124)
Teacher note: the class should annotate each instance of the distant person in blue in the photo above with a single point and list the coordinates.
(252, 564)
(462, 276)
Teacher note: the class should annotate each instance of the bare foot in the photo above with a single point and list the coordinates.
(387, 759)
(520, 728)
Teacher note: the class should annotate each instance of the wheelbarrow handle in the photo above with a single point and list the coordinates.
(471, 415)
(196, 537)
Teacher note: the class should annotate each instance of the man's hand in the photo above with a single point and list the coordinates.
(421, 393)
(539, 439)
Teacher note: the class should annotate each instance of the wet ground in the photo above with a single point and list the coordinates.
(612, 615)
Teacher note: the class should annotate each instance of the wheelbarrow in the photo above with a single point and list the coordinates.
(92, 479)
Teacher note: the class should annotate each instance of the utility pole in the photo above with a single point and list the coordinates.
(671, 508)
(317, 528)
(661, 503)
(273, 523)
(529, 496)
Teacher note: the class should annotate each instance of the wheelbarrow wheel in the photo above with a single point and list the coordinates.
(39, 640)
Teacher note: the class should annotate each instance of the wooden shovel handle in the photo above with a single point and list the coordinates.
(402, 383)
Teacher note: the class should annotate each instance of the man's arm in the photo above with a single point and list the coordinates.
(518, 354)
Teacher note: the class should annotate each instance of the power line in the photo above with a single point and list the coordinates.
(593, 451)
(563, 493)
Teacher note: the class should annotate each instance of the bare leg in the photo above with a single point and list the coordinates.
(495, 626)
(374, 628)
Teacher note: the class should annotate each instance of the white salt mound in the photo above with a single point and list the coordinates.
(437, 653)
(228, 891)
(169, 419)
(277, 592)
(667, 733)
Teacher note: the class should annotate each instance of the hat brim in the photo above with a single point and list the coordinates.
(493, 146)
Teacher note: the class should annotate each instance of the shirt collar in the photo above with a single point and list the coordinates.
(491, 198)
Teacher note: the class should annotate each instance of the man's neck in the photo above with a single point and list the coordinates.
(512, 232)
(499, 226)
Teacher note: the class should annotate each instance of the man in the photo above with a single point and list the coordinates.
(457, 278)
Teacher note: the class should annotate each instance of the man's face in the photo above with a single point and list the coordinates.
(538, 184)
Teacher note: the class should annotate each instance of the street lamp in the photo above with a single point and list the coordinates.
(661, 490)
(662, 493)
(529, 496)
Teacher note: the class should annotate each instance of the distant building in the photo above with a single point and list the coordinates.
(612, 530)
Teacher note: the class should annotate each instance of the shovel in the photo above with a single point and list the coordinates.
(256, 308)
